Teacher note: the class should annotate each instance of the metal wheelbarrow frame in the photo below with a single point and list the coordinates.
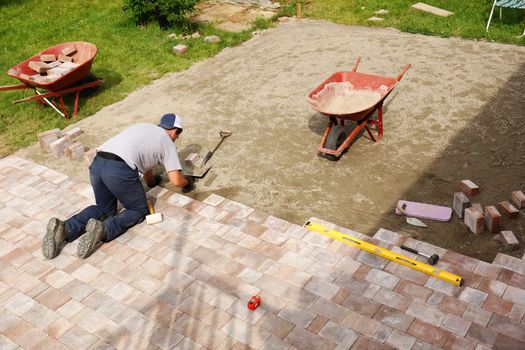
(335, 141)
(72, 81)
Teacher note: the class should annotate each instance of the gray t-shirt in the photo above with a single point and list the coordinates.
(144, 146)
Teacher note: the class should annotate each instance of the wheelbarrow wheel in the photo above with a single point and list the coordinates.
(335, 138)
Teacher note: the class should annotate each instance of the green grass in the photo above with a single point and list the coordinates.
(469, 19)
(129, 56)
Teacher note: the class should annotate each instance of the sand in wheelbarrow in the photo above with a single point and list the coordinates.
(342, 98)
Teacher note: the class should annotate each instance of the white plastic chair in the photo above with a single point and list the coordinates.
(515, 4)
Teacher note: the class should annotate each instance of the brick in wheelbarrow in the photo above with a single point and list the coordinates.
(69, 50)
(39, 67)
(48, 58)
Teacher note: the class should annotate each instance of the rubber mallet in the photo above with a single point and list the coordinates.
(432, 259)
(153, 218)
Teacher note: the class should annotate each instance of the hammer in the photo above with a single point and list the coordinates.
(153, 218)
(432, 259)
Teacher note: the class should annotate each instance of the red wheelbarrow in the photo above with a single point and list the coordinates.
(351, 96)
(57, 86)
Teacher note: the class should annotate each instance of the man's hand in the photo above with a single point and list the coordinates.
(190, 186)
(151, 179)
(157, 179)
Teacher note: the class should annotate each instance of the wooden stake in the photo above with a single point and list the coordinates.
(298, 10)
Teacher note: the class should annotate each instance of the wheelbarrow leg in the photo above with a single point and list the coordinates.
(331, 123)
(378, 123)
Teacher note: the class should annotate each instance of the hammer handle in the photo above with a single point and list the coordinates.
(150, 208)
(412, 250)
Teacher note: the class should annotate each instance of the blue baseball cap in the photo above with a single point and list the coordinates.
(170, 121)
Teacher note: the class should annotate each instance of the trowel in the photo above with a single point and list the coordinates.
(410, 220)
(203, 168)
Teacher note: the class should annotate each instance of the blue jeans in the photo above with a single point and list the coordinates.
(112, 181)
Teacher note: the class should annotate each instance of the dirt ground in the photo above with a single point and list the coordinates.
(457, 114)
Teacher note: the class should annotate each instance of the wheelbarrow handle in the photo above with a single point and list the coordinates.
(15, 87)
(403, 72)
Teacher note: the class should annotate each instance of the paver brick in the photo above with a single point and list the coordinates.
(392, 299)
(456, 324)
(509, 240)
(366, 326)
(508, 327)
(473, 296)
(508, 209)
(338, 334)
(276, 325)
(515, 295)
(392, 317)
(429, 333)
(25, 335)
(477, 315)
(297, 315)
(400, 340)
(413, 290)
(320, 287)
(492, 219)
(474, 220)
(317, 324)
(382, 278)
(425, 312)
(77, 338)
(362, 305)
(517, 312)
(456, 342)
(498, 305)
(329, 310)
(366, 343)
(468, 187)
(518, 199)
(303, 339)
(460, 203)
(481, 335)
(452, 306)
(246, 333)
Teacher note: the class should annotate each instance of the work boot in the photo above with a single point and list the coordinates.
(55, 236)
(94, 234)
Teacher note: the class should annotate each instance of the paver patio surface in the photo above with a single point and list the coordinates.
(184, 283)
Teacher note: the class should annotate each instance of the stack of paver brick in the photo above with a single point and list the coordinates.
(50, 67)
(184, 283)
(476, 218)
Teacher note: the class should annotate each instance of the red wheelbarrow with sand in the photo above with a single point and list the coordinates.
(72, 79)
(351, 96)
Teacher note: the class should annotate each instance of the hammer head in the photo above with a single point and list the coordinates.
(154, 218)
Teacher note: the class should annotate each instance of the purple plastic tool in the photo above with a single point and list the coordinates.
(424, 211)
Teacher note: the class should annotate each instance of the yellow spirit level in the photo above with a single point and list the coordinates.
(387, 254)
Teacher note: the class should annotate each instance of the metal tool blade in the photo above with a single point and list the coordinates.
(416, 222)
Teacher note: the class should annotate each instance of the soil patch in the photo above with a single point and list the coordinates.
(457, 114)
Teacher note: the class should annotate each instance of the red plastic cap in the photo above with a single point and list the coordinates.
(254, 302)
